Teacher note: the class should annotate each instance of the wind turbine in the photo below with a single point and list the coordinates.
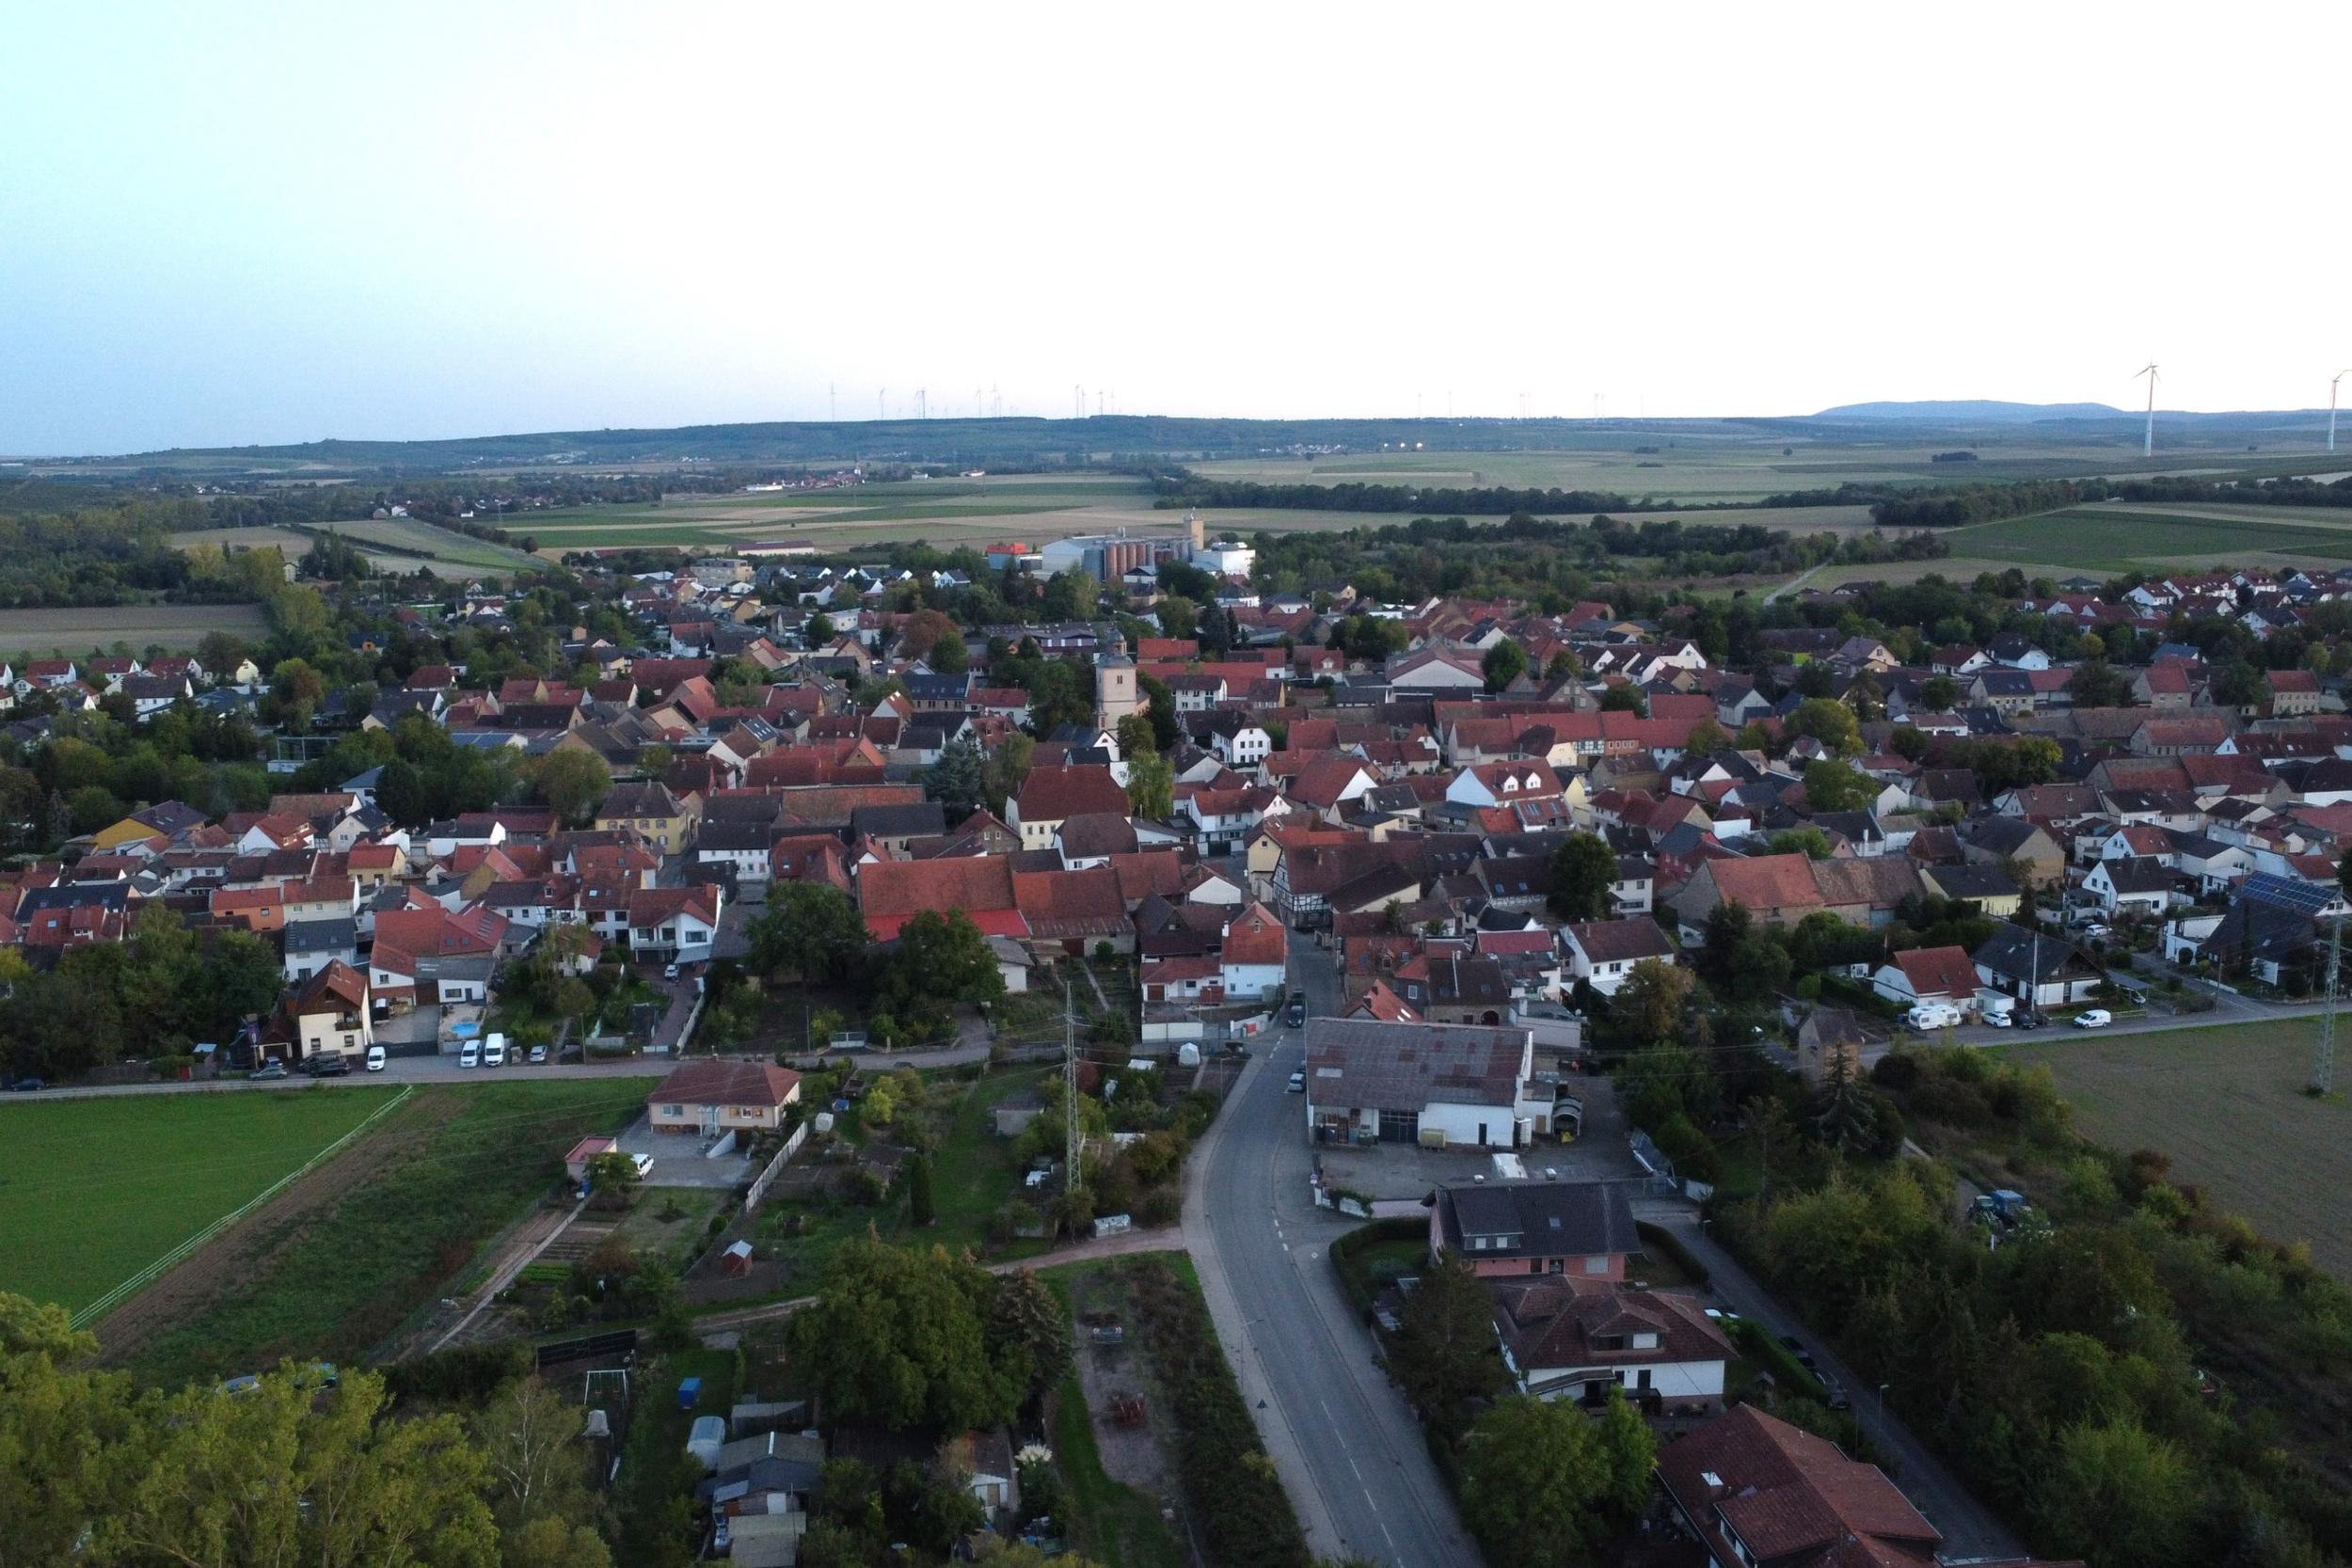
(2332, 409)
(2147, 443)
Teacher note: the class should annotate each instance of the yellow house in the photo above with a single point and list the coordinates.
(660, 817)
(164, 819)
(711, 1096)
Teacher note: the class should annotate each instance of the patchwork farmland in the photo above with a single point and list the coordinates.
(2227, 1104)
(176, 629)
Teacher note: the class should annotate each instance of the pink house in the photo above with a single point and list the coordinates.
(1584, 1229)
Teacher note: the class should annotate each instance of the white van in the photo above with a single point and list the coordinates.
(494, 1054)
(471, 1055)
(376, 1058)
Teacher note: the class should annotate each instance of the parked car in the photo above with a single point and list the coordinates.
(2027, 1021)
(26, 1085)
(643, 1163)
(376, 1058)
(494, 1053)
(1298, 1082)
(329, 1064)
(1722, 1316)
(538, 1055)
(269, 1070)
(669, 972)
(471, 1055)
(1999, 1020)
(2097, 1018)
(1295, 1013)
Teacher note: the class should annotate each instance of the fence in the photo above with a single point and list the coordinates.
(766, 1178)
(149, 1274)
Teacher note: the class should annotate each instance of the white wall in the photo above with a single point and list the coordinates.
(1460, 1123)
(1672, 1379)
(1244, 982)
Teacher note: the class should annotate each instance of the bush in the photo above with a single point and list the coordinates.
(1898, 1070)
(1160, 1206)
(1245, 1517)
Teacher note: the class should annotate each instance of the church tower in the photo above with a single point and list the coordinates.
(1116, 694)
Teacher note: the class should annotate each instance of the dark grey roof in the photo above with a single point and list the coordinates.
(1999, 835)
(1537, 1219)
(1973, 882)
(2012, 951)
(1360, 1064)
(2139, 874)
(734, 836)
(322, 936)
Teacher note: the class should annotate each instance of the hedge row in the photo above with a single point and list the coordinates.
(1245, 1517)
(1343, 1253)
(1669, 1245)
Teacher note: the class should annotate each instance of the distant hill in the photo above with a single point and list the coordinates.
(1971, 411)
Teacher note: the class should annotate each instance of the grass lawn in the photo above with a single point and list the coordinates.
(667, 1222)
(2227, 1103)
(94, 1190)
(973, 1173)
(454, 1168)
(654, 1469)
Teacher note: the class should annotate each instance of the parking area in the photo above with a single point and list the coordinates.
(1391, 1171)
(678, 1160)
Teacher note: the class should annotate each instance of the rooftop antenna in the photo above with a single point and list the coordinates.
(2332, 409)
(2148, 442)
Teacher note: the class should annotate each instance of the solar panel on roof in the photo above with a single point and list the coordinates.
(2287, 893)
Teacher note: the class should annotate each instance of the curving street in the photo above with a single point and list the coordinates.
(1347, 1447)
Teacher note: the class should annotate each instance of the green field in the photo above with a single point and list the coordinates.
(174, 628)
(2227, 1104)
(406, 537)
(439, 1178)
(94, 1190)
(2109, 539)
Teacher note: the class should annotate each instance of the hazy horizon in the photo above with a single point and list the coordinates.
(265, 228)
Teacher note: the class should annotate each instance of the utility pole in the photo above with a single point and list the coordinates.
(2323, 1063)
(1069, 1092)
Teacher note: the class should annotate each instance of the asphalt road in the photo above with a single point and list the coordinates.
(1970, 1529)
(1347, 1447)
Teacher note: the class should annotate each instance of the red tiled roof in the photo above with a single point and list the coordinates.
(1256, 936)
(1055, 794)
(891, 893)
(1938, 971)
(1768, 881)
(711, 1081)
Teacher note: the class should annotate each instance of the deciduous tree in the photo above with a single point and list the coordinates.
(1583, 869)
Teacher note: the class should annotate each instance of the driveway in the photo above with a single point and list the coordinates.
(1970, 1529)
(678, 1160)
(1392, 1171)
(1347, 1447)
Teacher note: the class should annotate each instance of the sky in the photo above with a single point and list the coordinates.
(223, 225)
